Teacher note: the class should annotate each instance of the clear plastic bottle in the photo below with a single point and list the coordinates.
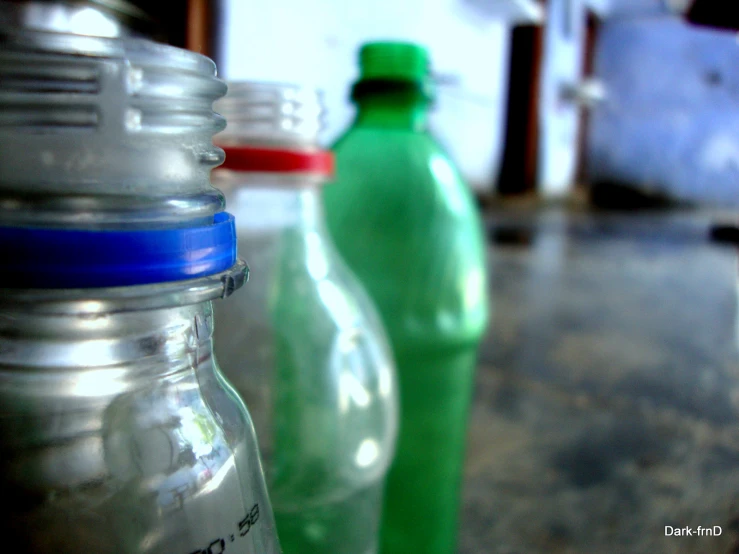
(302, 344)
(118, 433)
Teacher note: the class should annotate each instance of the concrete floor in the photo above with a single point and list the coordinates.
(607, 398)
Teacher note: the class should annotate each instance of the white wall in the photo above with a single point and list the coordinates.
(559, 123)
(315, 43)
(559, 117)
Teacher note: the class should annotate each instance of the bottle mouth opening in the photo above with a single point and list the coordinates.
(101, 118)
(271, 115)
(96, 18)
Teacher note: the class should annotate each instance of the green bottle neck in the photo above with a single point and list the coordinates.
(392, 110)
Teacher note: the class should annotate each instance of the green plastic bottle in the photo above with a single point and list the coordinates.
(407, 225)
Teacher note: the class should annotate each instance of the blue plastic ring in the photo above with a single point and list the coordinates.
(32, 257)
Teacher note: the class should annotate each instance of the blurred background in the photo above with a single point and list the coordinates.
(558, 98)
(601, 138)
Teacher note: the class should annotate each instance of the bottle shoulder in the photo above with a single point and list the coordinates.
(367, 141)
(408, 225)
(302, 292)
(406, 169)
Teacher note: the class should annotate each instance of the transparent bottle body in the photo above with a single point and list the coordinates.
(118, 434)
(305, 348)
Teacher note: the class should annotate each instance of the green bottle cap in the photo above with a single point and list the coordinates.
(401, 61)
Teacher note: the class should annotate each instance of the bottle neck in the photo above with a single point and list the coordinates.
(281, 231)
(406, 110)
(111, 350)
(272, 203)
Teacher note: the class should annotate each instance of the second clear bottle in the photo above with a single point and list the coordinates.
(320, 382)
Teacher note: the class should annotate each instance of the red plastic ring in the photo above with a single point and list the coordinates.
(247, 158)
